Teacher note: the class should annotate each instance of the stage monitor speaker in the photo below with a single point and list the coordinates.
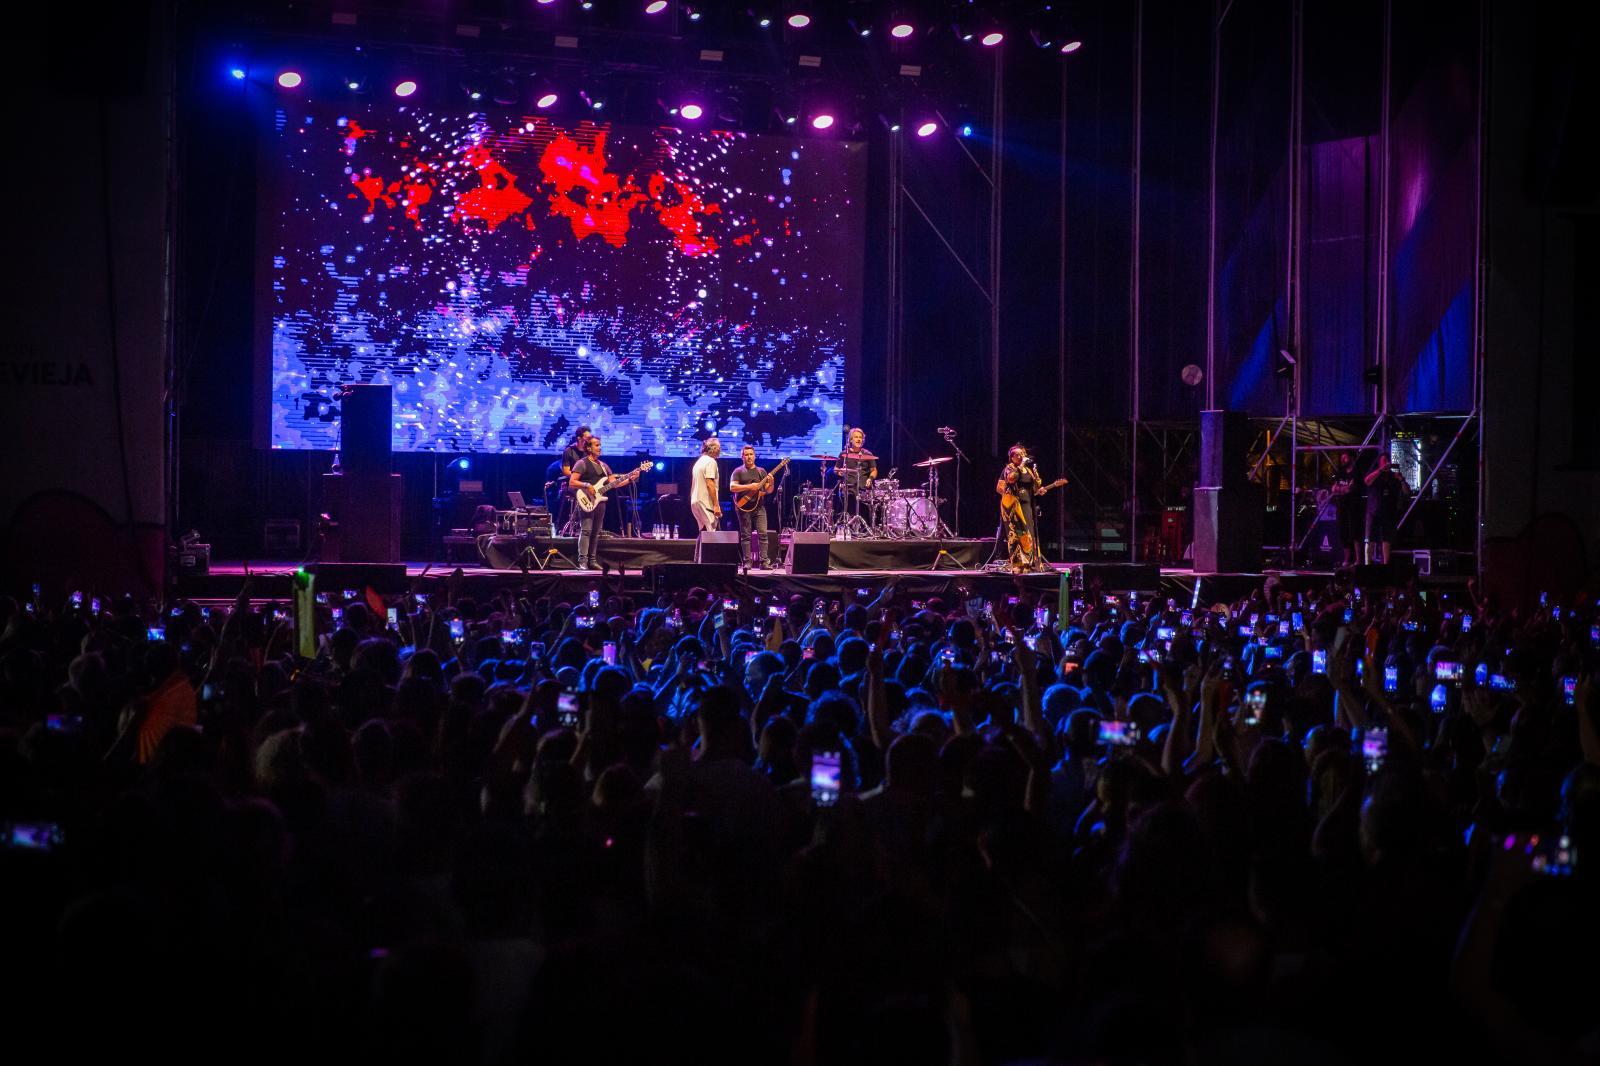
(1382, 575)
(1227, 530)
(675, 577)
(717, 546)
(807, 553)
(1119, 577)
(365, 414)
(387, 579)
(1224, 449)
(1325, 547)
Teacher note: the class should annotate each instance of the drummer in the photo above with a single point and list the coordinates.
(857, 468)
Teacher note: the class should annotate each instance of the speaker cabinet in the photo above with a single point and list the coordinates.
(1227, 530)
(1224, 449)
(717, 546)
(365, 413)
(366, 508)
(676, 577)
(807, 554)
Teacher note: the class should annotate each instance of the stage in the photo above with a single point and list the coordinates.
(643, 565)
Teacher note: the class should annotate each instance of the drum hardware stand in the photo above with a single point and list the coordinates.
(530, 554)
(941, 557)
(940, 530)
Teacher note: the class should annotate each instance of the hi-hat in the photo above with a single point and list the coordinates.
(934, 462)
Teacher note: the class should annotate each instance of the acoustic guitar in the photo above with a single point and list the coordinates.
(588, 502)
(749, 501)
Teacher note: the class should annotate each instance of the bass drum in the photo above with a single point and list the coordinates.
(911, 515)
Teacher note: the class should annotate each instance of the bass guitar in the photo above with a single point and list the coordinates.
(749, 501)
(589, 501)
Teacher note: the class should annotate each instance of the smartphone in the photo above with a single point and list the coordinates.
(1255, 619)
(608, 653)
(536, 650)
(1247, 632)
(1041, 617)
(1569, 690)
(1298, 620)
(775, 611)
(34, 836)
(338, 615)
(1133, 600)
(1031, 640)
(1186, 619)
(585, 621)
(458, 629)
(394, 618)
(35, 590)
(205, 612)
(947, 656)
(567, 710)
(208, 692)
(1348, 615)
(1273, 651)
(917, 605)
(156, 633)
(675, 619)
(1144, 656)
(1227, 668)
(1466, 623)
(730, 605)
(1594, 631)
(421, 598)
(825, 778)
(1361, 669)
(350, 594)
(64, 723)
(1480, 674)
(513, 637)
(1443, 671)
(1391, 679)
(1255, 702)
(1410, 625)
(806, 654)
(1439, 698)
(748, 656)
(1502, 682)
(1544, 599)
(77, 599)
(94, 608)
(1374, 748)
(1118, 734)
(1165, 633)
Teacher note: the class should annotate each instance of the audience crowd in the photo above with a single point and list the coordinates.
(1340, 825)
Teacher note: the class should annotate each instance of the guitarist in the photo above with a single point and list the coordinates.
(587, 474)
(746, 480)
(1018, 487)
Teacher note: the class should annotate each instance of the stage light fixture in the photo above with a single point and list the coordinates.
(1070, 47)
(290, 79)
(799, 20)
(927, 129)
(660, 465)
(901, 30)
(353, 86)
(405, 88)
(655, 7)
(992, 38)
(966, 131)
(238, 73)
(821, 121)
(691, 111)
(546, 99)
(694, 14)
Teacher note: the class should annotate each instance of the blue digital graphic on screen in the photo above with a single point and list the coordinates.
(512, 278)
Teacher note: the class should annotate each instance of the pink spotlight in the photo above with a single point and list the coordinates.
(822, 121)
(546, 100)
(799, 20)
(405, 88)
(1070, 47)
(927, 129)
(655, 7)
(992, 38)
(902, 30)
(290, 79)
(691, 111)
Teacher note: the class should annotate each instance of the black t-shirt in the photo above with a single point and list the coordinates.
(1383, 495)
(571, 456)
(854, 470)
(743, 475)
(590, 471)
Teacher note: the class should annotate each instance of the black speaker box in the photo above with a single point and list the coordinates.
(365, 412)
(367, 510)
(807, 554)
(1119, 577)
(675, 577)
(385, 578)
(717, 546)
(1382, 575)
(1224, 449)
(1227, 530)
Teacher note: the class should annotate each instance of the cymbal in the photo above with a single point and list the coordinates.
(854, 456)
(814, 455)
(934, 462)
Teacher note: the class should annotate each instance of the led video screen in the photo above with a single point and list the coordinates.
(513, 277)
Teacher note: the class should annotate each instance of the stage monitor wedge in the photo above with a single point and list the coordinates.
(807, 553)
(717, 546)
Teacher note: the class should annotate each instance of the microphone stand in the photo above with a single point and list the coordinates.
(949, 436)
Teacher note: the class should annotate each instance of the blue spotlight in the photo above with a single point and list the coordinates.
(238, 73)
(660, 465)
(966, 131)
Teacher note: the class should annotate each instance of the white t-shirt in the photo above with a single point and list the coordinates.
(704, 467)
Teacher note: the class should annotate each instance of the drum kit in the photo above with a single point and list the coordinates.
(882, 510)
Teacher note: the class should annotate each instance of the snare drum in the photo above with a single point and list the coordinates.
(910, 513)
(815, 508)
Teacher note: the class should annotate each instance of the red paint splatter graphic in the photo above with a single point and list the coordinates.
(371, 187)
(586, 194)
(353, 133)
(683, 218)
(497, 198)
